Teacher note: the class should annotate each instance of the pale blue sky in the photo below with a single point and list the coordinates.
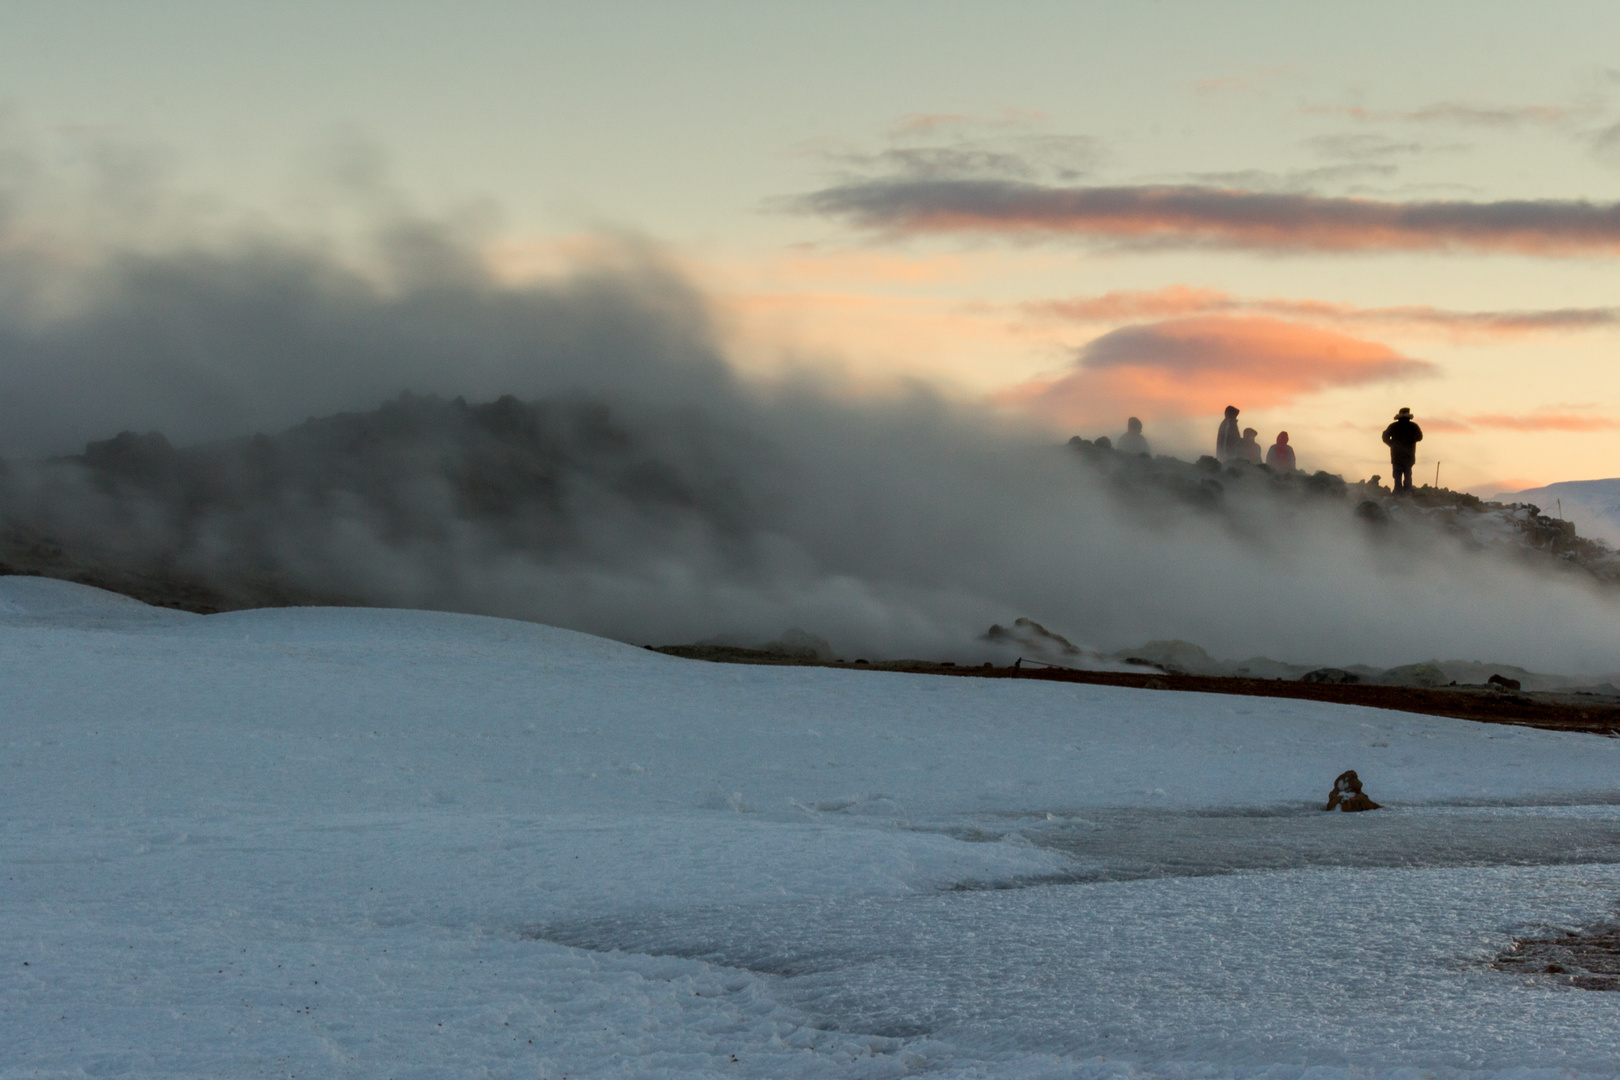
(685, 117)
(692, 123)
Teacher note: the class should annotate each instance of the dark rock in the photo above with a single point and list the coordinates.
(1372, 513)
(1027, 635)
(1347, 795)
(1325, 483)
(1588, 960)
(1503, 682)
(1330, 675)
(798, 644)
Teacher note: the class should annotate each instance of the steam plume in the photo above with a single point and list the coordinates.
(674, 501)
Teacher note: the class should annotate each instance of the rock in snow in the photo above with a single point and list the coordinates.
(1347, 794)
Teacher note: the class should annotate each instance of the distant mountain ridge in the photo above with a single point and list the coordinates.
(1594, 505)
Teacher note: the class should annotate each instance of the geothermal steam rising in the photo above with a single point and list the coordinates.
(892, 527)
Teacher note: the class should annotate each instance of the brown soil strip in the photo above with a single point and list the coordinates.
(1586, 961)
(1552, 711)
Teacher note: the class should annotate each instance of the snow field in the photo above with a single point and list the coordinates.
(511, 850)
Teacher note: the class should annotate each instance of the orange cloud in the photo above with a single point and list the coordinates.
(1541, 421)
(928, 123)
(1168, 302)
(1183, 300)
(1195, 366)
(1255, 82)
(867, 268)
(1196, 216)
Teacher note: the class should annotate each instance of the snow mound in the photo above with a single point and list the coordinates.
(383, 627)
(361, 842)
(25, 599)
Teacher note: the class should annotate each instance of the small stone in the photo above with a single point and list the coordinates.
(1347, 795)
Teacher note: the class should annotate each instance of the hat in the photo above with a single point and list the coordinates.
(1404, 414)
(1231, 410)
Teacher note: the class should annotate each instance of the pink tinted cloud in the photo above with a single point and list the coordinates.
(928, 123)
(1454, 112)
(1195, 366)
(1197, 216)
(1539, 421)
(1183, 300)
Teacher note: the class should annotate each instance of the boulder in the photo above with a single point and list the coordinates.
(1330, 675)
(1347, 794)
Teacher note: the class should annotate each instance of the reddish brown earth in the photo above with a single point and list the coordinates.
(1553, 711)
(27, 554)
(1586, 961)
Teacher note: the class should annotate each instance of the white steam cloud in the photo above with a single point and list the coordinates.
(896, 526)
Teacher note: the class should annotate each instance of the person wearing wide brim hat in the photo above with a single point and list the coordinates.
(1402, 438)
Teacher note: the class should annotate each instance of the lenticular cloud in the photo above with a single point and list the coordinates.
(1195, 216)
(1194, 366)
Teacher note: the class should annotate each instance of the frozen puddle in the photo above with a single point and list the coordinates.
(1123, 845)
(1587, 960)
(1363, 941)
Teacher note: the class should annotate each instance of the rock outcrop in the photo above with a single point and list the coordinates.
(1347, 794)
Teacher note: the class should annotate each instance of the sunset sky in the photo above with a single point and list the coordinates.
(1071, 212)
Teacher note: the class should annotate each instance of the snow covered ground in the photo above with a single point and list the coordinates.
(363, 843)
(1593, 505)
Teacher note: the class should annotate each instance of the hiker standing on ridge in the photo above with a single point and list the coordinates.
(1249, 448)
(1280, 458)
(1133, 442)
(1228, 437)
(1402, 438)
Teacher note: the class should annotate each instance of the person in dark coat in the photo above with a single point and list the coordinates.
(1402, 438)
(1133, 441)
(1249, 448)
(1280, 458)
(1228, 437)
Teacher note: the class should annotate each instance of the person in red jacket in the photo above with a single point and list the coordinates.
(1280, 458)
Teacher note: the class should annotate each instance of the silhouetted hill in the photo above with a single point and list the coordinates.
(438, 503)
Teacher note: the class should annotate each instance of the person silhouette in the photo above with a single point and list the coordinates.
(1249, 448)
(1402, 438)
(1280, 458)
(1133, 441)
(1228, 437)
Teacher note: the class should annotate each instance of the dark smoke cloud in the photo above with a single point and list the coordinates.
(1219, 217)
(654, 496)
(205, 344)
